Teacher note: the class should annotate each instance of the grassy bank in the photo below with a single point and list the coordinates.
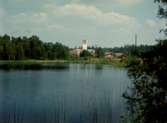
(114, 62)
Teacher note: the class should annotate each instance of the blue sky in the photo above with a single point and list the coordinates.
(106, 23)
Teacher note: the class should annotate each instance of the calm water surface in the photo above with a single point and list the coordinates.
(66, 94)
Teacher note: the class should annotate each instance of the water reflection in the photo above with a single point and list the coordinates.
(78, 94)
(15, 96)
(34, 66)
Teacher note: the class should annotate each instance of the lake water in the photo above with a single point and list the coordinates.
(70, 93)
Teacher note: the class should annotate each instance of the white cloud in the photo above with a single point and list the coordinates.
(91, 13)
(130, 2)
(22, 1)
(151, 23)
(72, 22)
(72, 7)
(78, 9)
(34, 18)
(155, 25)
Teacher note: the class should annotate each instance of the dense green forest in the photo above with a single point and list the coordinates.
(22, 48)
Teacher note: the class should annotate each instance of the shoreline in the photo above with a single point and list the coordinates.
(113, 62)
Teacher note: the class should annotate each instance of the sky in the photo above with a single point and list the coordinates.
(105, 23)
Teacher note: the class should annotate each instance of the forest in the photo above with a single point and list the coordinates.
(22, 48)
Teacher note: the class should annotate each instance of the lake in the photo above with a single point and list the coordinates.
(69, 93)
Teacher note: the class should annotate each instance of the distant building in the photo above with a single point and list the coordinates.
(112, 55)
(119, 55)
(84, 45)
(77, 51)
(109, 55)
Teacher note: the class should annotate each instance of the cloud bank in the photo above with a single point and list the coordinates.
(73, 22)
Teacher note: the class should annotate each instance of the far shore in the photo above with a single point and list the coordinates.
(113, 62)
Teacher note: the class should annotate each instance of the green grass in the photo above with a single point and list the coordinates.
(24, 62)
(114, 62)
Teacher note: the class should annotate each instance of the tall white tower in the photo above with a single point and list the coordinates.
(84, 45)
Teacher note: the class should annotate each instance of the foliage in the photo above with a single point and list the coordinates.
(85, 54)
(162, 13)
(148, 97)
(22, 48)
(99, 52)
(132, 59)
(132, 49)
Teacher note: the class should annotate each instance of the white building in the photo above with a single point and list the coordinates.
(84, 45)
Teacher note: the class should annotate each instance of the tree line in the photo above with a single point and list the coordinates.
(24, 48)
(132, 49)
(21, 48)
